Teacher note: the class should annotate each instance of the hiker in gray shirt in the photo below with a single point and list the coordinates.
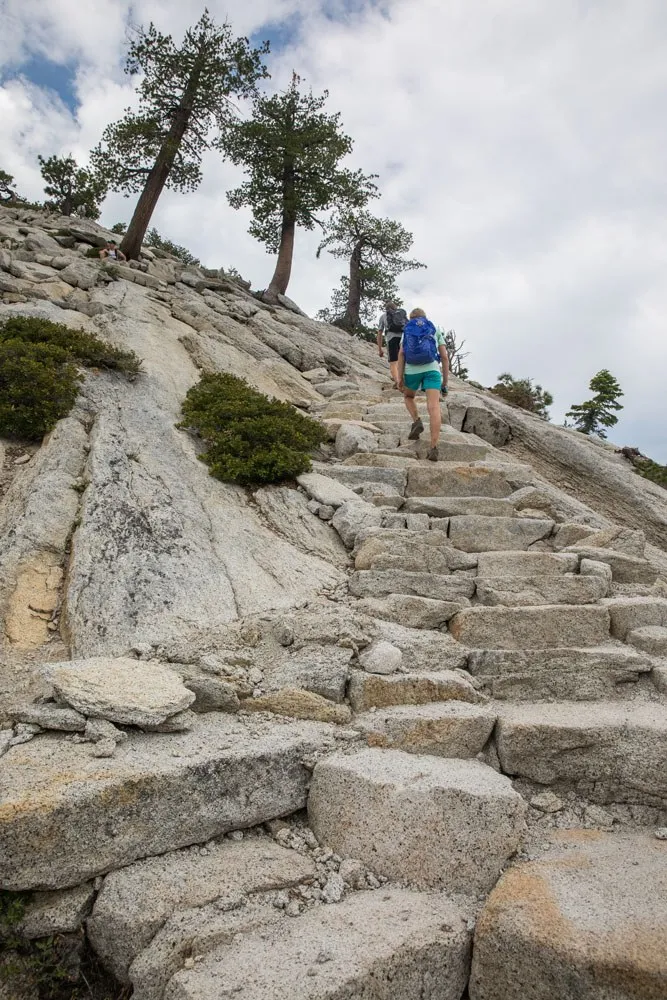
(390, 325)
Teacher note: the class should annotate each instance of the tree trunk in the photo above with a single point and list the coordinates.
(283, 271)
(350, 320)
(157, 178)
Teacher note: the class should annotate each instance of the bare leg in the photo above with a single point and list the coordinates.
(393, 369)
(434, 415)
(409, 397)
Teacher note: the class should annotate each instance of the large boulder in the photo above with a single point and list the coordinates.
(430, 821)
(490, 426)
(584, 922)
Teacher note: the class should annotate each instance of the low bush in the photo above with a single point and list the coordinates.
(250, 439)
(40, 372)
(38, 385)
(648, 469)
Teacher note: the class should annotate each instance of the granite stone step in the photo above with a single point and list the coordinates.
(66, 816)
(566, 588)
(455, 479)
(394, 943)
(397, 411)
(452, 506)
(452, 447)
(412, 551)
(628, 613)
(560, 674)
(381, 460)
(441, 587)
(357, 475)
(135, 902)
(525, 564)
(412, 611)
(443, 729)
(477, 533)
(605, 751)
(411, 688)
(548, 626)
(625, 568)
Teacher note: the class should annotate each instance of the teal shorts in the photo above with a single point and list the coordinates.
(423, 380)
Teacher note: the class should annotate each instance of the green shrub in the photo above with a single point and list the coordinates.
(40, 376)
(83, 347)
(250, 439)
(648, 469)
(38, 386)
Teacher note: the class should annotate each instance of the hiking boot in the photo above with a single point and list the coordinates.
(416, 429)
(433, 454)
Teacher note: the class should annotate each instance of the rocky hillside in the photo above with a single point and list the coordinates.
(397, 730)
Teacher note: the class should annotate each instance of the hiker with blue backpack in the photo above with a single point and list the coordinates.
(422, 353)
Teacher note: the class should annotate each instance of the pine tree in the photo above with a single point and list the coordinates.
(291, 150)
(73, 189)
(375, 249)
(523, 393)
(599, 412)
(7, 192)
(184, 93)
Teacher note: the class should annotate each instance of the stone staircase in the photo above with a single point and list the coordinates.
(497, 674)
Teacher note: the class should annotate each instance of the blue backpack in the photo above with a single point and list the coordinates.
(419, 343)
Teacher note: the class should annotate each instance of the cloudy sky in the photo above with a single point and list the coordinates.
(523, 142)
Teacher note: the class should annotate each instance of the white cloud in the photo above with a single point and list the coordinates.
(521, 141)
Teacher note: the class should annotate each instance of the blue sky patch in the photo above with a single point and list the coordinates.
(281, 34)
(51, 76)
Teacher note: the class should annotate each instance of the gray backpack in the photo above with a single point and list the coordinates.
(396, 320)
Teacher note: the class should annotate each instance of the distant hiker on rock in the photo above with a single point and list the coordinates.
(418, 368)
(112, 252)
(391, 324)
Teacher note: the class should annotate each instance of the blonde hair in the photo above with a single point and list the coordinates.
(417, 312)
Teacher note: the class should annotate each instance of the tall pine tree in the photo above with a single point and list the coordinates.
(185, 92)
(291, 150)
(593, 416)
(375, 249)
